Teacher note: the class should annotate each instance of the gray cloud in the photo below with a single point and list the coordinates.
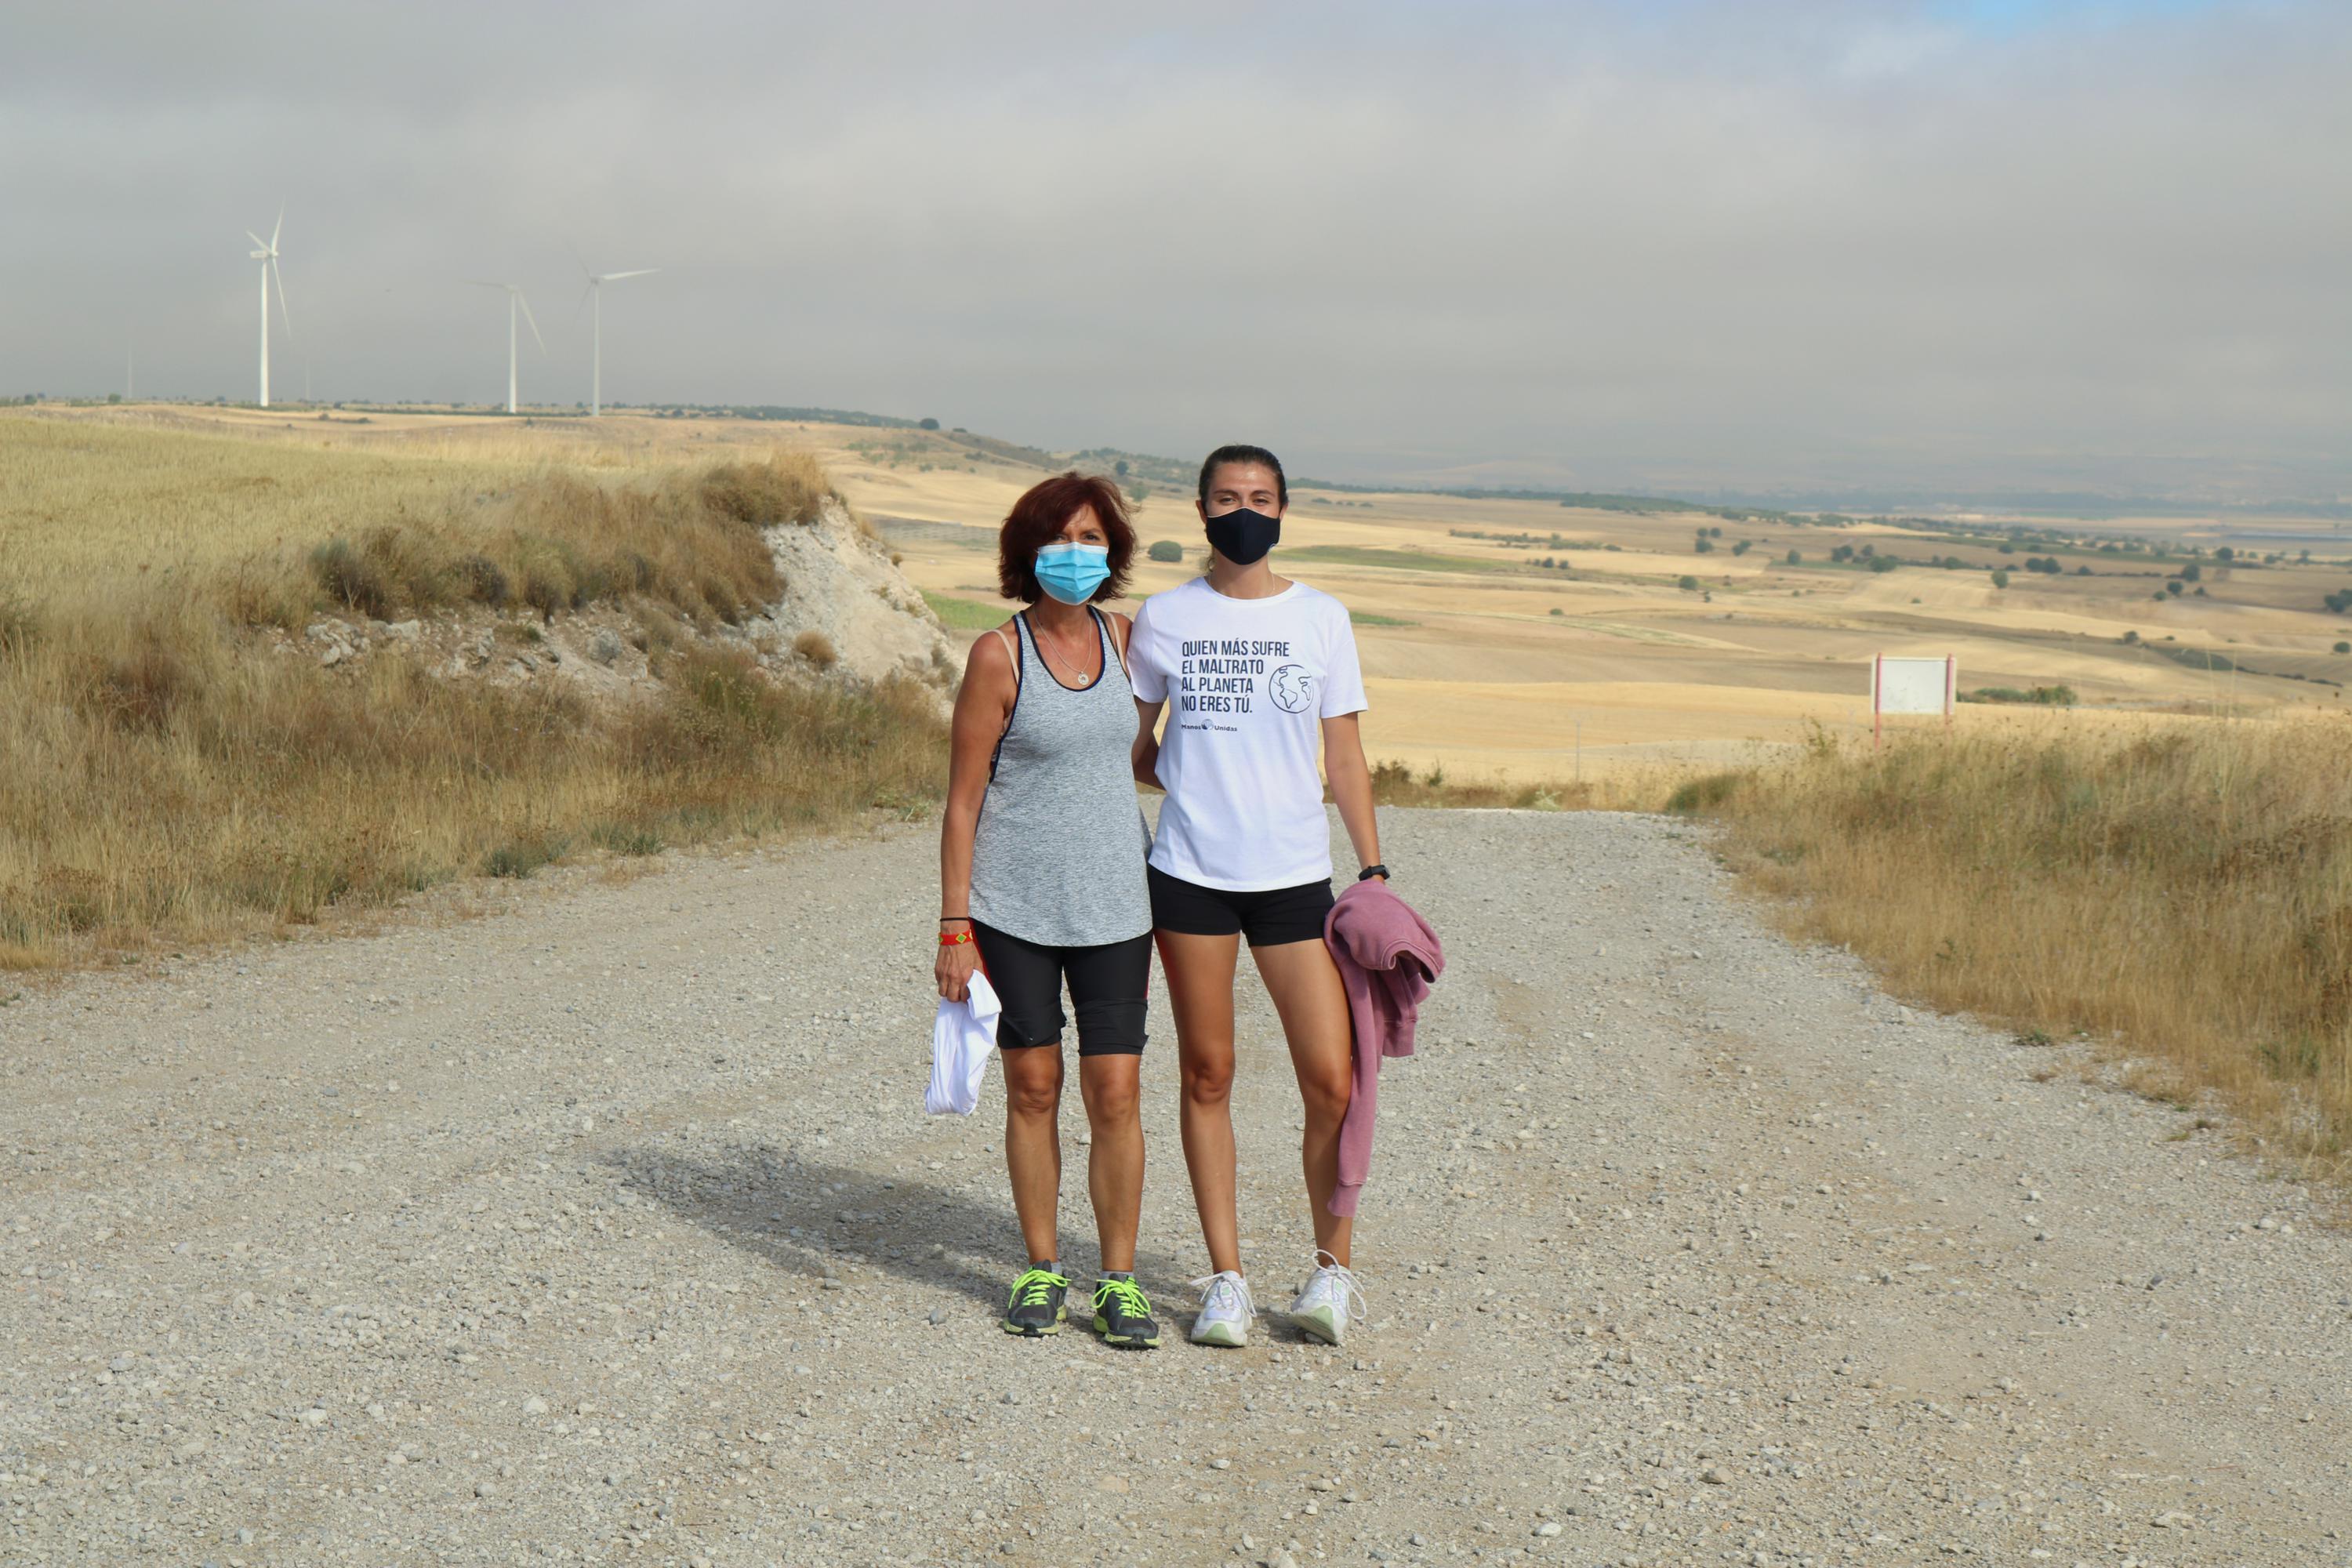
(1698, 245)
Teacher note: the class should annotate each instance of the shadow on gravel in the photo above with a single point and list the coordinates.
(757, 1203)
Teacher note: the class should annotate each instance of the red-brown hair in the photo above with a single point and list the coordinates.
(1038, 518)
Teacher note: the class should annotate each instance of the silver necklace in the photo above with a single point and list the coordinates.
(1045, 648)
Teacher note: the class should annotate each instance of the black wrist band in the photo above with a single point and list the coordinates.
(1370, 871)
(944, 918)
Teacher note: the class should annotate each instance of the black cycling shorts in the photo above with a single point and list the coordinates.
(1269, 917)
(1107, 987)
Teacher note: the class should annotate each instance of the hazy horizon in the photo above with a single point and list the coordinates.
(1699, 248)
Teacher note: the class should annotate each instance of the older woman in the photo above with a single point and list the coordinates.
(1041, 880)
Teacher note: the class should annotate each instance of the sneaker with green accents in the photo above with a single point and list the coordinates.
(1123, 1314)
(1036, 1306)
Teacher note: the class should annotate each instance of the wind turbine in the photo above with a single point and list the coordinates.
(514, 299)
(265, 252)
(595, 293)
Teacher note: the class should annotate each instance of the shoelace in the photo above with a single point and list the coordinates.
(1341, 1281)
(1209, 1285)
(1133, 1302)
(1030, 1289)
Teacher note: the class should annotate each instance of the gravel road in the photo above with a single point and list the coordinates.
(607, 1226)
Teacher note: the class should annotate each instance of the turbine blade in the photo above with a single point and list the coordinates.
(586, 290)
(528, 317)
(640, 272)
(280, 279)
(277, 226)
(256, 239)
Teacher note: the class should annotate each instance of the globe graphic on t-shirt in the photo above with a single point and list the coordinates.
(1293, 688)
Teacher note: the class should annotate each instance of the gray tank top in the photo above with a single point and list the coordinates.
(1058, 856)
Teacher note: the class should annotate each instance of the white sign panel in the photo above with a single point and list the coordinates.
(1911, 685)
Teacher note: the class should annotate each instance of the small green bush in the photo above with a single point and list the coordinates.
(1165, 550)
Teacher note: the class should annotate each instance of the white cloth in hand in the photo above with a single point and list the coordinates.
(963, 1037)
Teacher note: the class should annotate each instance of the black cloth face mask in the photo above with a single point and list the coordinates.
(1243, 537)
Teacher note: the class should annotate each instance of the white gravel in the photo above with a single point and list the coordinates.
(608, 1227)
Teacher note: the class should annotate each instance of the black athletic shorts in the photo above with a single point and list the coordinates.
(1269, 917)
(1107, 986)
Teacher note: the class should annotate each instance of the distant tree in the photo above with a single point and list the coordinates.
(2000, 579)
(1165, 550)
(2158, 597)
(2191, 573)
(2339, 602)
(1705, 544)
(1795, 559)
(1120, 467)
(114, 397)
(1843, 553)
(2173, 588)
(2131, 638)
(2200, 590)
(1740, 549)
(1883, 564)
(1688, 584)
(2082, 571)
(1556, 610)
(2340, 648)
(2225, 553)
(2008, 548)
(927, 424)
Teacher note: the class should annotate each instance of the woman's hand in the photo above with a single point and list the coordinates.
(954, 967)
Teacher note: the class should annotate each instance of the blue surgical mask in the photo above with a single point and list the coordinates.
(1071, 573)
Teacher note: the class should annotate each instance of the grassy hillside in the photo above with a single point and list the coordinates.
(173, 768)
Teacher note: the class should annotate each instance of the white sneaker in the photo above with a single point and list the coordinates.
(1225, 1311)
(1328, 1300)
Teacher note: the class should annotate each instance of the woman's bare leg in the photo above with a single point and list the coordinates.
(1032, 1142)
(1199, 972)
(1115, 1163)
(1305, 985)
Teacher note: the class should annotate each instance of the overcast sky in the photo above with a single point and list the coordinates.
(1667, 244)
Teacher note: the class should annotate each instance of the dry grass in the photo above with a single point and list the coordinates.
(2185, 895)
(1396, 784)
(166, 777)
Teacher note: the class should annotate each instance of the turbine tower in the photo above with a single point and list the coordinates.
(595, 293)
(265, 252)
(514, 302)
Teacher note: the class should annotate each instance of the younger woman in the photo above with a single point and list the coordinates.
(1260, 671)
(1041, 878)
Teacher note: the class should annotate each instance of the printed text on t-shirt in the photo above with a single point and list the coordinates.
(1220, 675)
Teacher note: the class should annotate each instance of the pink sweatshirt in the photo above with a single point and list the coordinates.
(1387, 956)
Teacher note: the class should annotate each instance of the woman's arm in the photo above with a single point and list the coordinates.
(1352, 785)
(982, 708)
(1146, 754)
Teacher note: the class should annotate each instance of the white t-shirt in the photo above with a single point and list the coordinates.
(1248, 683)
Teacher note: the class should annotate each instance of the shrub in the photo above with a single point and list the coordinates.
(1883, 564)
(1687, 584)
(2000, 579)
(1165, 550)
(1795, 560)
(2344, 648)
(2340, 602)
(818, 649)
(349, 580)
(1703, 793)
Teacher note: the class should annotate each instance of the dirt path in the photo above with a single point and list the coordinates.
(610, 1229)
